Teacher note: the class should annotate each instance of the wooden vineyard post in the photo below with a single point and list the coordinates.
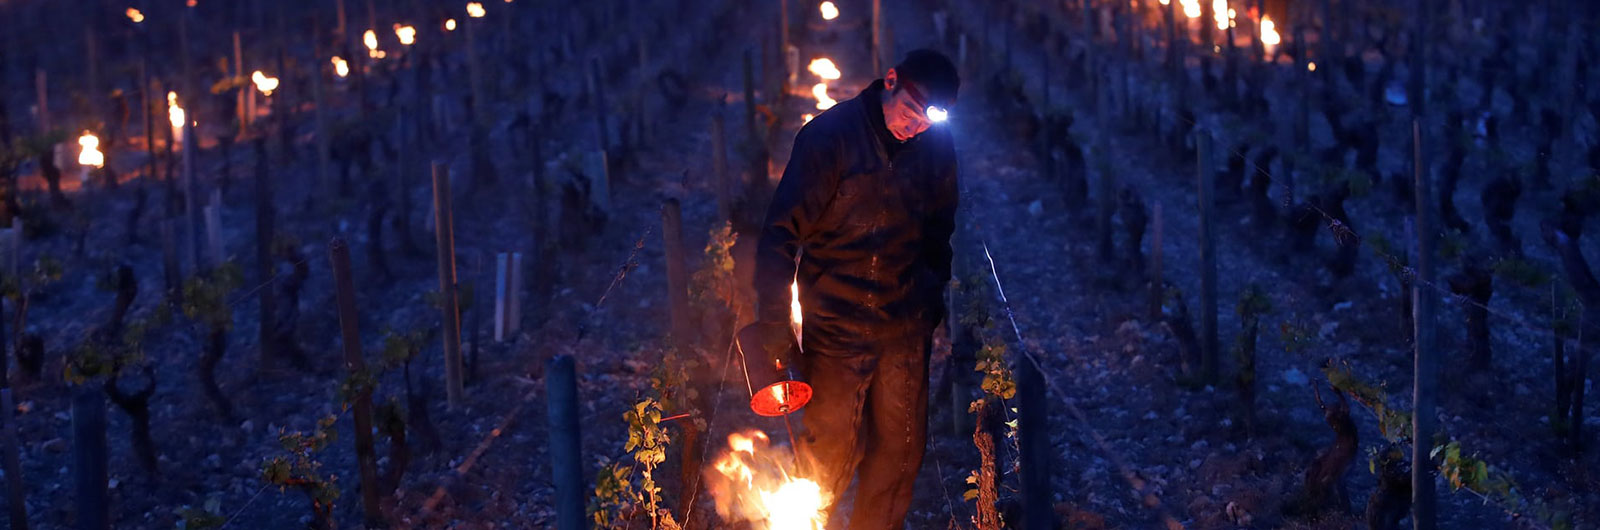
(507, 295)
(1426, 369)
(1033, 442)
(1208, 260)
(169, 261)
(749, 98)
(566, 459)
(215, 252)
(265, 233)
(482, 166)
(1105, 203)
(190, 211)
(755, 190)
(514, 295)
(91, 47)
(361, 409)
(320, 112)
(89, 468)
(41, 88)
(791, 58)
(1157, 283)
(601, 113)
(240, 93)
(1177, 49)
(877, 22)
(1326, 34)
(444, 237)
(719, 166)
(677, 273)
(472, 318)
(15, 496)
(149, 147)
(11, 239)
(1090, 72)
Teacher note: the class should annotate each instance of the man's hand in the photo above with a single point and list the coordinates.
(774, 338)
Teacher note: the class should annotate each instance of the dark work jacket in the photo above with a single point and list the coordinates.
(874, 230)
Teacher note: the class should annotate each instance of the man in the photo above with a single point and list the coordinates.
(862, 221)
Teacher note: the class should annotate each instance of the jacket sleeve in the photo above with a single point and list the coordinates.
(807, 187)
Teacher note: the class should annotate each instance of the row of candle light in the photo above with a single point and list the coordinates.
(89, 155)
(1225, 16)
(823, 68)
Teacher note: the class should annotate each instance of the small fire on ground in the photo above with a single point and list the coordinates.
(755, 482)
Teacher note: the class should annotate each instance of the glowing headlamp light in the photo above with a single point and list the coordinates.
(937, 114)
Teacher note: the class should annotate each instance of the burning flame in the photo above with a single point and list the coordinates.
(370, 38)
(820, 91)
(1311, 66)
(91, 155)
(175, 115)
(135, 15)
(474, 10)
(1269, 32)
(806, 118)
(752, 482)
(796, 317)
(1221, 13)
(823, 67)
(407, 34)
(829, 11)
(1191, 8)
(1166, 2)
(340, 66)
(450, 25)
(263, 83)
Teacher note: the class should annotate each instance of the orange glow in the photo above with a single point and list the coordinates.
(263, 83)
(753, 482)
(175, 115)
(450, 25)
(829, 11)
(91, 155)
(340, 67)
(135, 15)
(1311, 67)
(475, 10)
(407, 34)
(1220, 13)
(796, 316)
(806, 118)
(1191, 8)
(1269, 32)
(820, 91)
(370, 39)
(823, 67)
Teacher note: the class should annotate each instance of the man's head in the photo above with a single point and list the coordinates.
(924, 80)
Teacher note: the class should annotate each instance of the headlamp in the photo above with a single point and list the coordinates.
(937, 114)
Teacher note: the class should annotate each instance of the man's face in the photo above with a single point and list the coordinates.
(903, 114)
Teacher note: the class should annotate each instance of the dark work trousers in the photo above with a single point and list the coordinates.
(869, 415)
